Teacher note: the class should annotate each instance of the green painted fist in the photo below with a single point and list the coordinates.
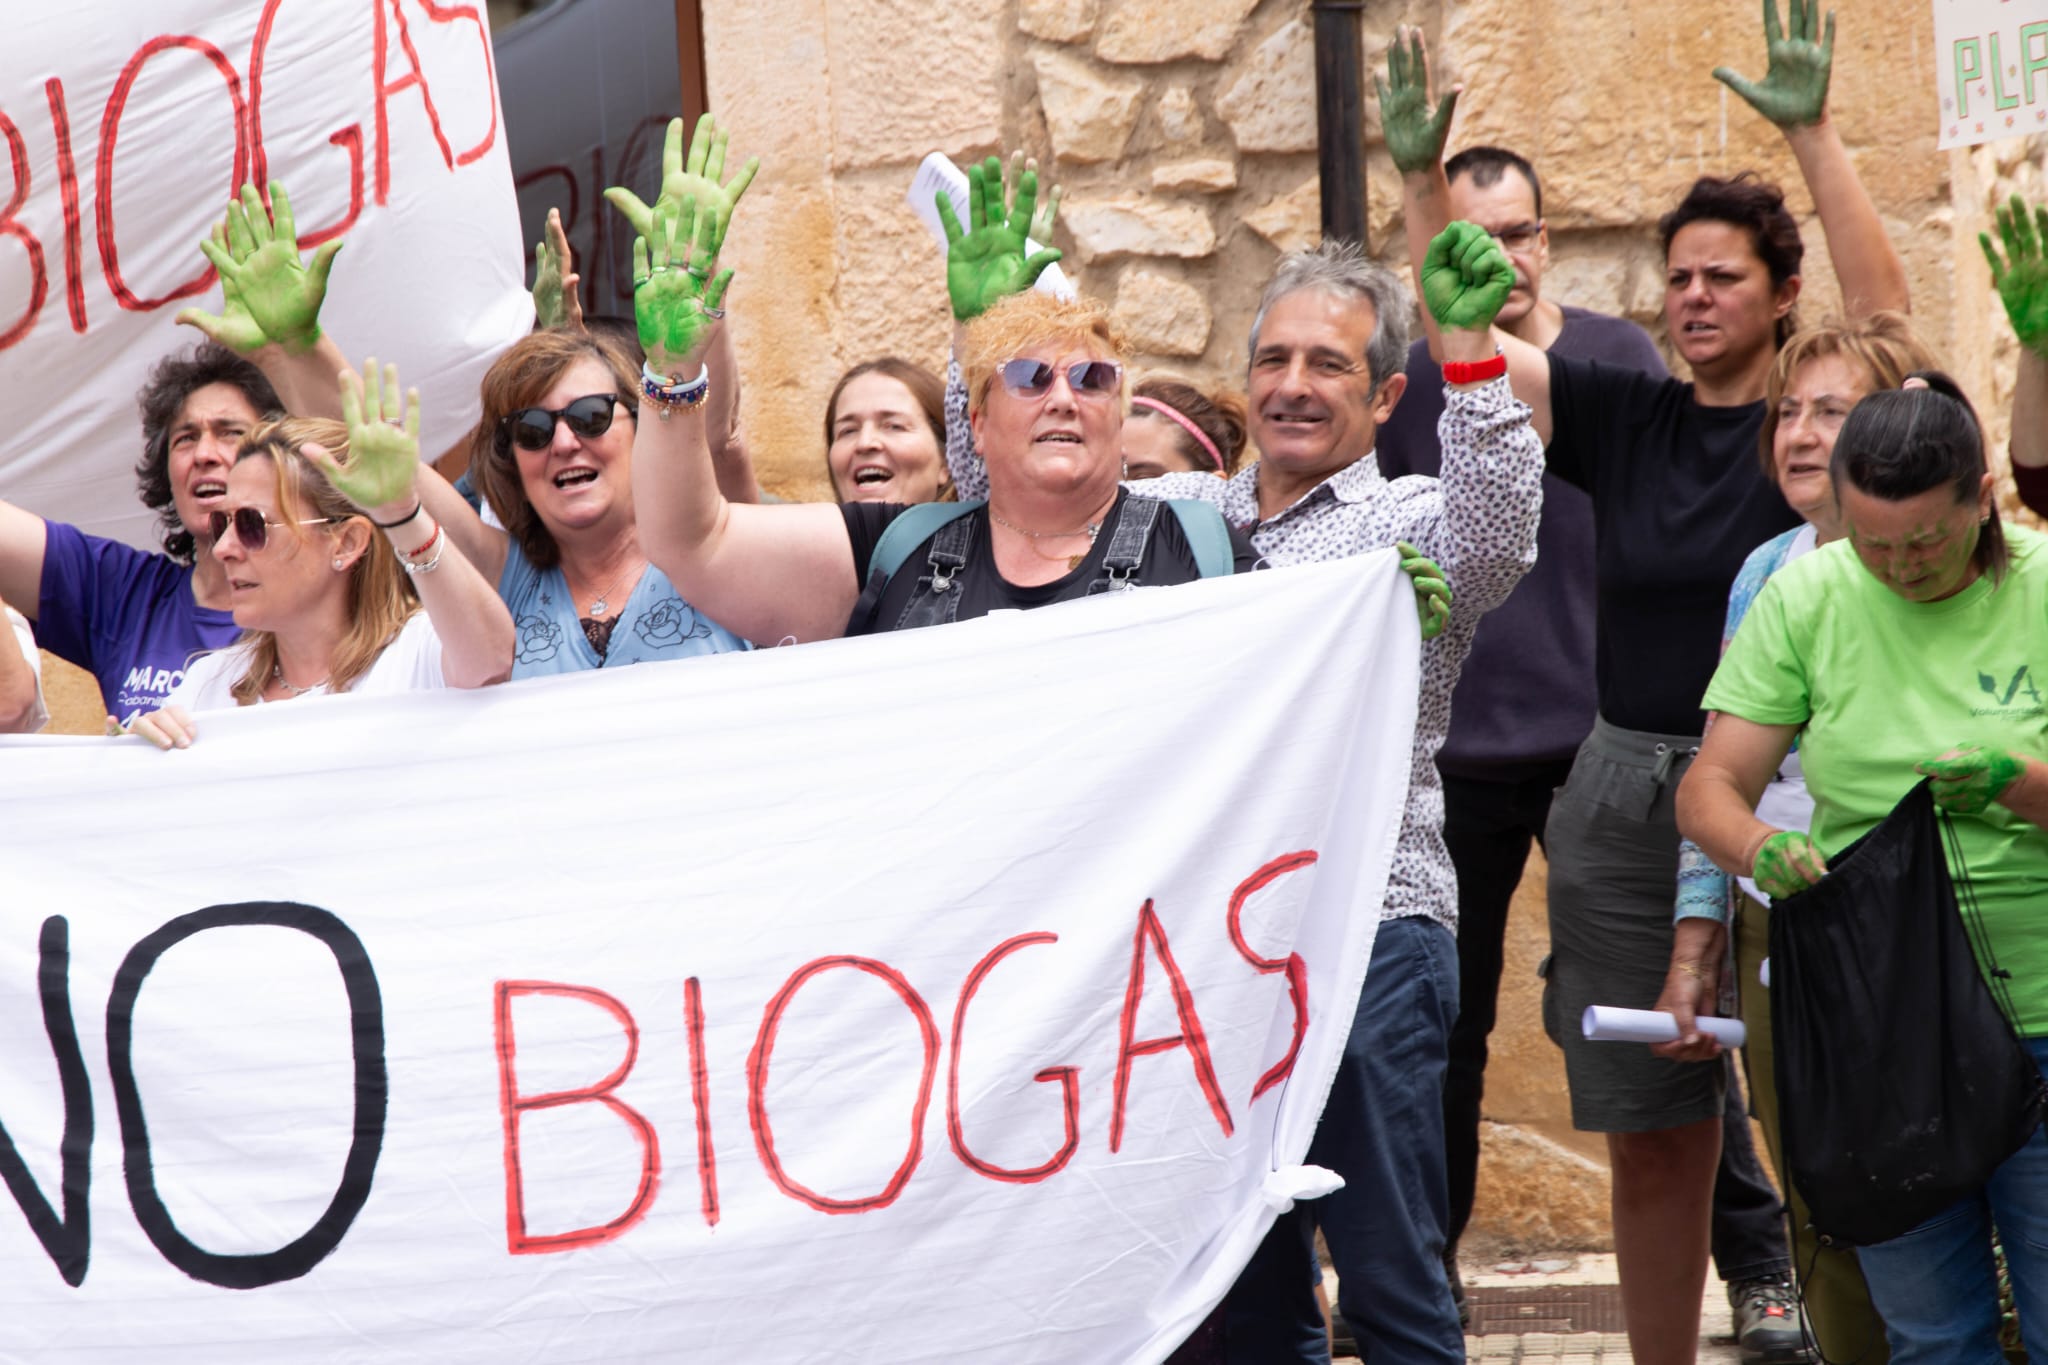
(693, 182)
(675, 299)
(1794, 90)
(1787, 864)
(1968, 778)
(1466, 278)
(1414, 132)
(987, 262)
(1432, 590)
(383, 440)
(2021, 279)
(268, 294)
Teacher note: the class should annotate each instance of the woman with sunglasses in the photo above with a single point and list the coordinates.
(329, 560)
(553, 457)
(1046, 382)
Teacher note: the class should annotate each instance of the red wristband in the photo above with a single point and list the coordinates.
(1475, 371)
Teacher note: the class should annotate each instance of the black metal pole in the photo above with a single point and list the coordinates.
(1340, 116)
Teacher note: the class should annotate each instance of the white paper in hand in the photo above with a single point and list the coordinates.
(936, 173)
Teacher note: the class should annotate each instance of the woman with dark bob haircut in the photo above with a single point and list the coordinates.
(553, 457)
(885, 434)
(1910, 649)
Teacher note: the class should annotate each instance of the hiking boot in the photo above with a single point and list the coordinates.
(1769, 1326)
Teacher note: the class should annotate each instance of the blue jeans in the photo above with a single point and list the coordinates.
(1383, 1131)
(1936, 1285)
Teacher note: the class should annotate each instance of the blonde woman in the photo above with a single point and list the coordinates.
(330, 560)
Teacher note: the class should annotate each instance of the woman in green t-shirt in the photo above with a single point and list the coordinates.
(1913, 648)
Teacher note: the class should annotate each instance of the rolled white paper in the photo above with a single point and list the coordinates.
(939, 173)
(1612, 1024)
(1763, 973)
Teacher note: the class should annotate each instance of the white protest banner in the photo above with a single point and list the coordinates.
(1991, 66)
(128, 127)
(960, 994)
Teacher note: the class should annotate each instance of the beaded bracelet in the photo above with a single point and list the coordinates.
(668, 394)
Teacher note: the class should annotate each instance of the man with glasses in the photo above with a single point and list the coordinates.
(1524, 706)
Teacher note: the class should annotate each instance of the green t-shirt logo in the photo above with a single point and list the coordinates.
(2004, 697)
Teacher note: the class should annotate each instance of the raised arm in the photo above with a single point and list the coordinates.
(2021, 279)
(694, 179)
(1793, 94)
(769, 573)
(271, 300)
(1415, 128)
(1483, 532)
(379, 477)
(987, 262)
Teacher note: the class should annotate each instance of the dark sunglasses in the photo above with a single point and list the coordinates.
(534, 428)
(1033, 378)
(250, 527)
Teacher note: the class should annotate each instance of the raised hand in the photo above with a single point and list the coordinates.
(269, 294)
(1466, 278)
(1432, 590)
(1787, 863)
(987, 262)
(693, 181)
(2021, 279)
(1968, 778)
(1414, 132)
(676, 302)
(1794, 90)
(383, 442)
(232, 327)
(556, 302)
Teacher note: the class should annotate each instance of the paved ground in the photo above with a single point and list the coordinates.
(1572, 1311)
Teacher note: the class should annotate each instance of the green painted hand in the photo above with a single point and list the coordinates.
(556, 302)
(1466, 278)
(693, 181)
(383, 440)
(260, 269)
(232, 327)
(987, 262)
(1414, 132)
(1787, 863)
(675, 299)
(1432, 590)
(1968, 778)
(1794, 90)
(2021, 279)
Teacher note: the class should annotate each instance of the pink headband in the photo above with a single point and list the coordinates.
(1174, 414)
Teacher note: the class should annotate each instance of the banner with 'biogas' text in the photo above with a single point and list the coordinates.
(127, 128)
(963, 994)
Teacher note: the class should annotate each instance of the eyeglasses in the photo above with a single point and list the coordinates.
(250, 527)
(1517, 236)
(1087, 378)
(534, 428)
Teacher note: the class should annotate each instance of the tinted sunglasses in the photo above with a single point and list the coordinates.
(250, 527)
(1033, 378)
(534, 428)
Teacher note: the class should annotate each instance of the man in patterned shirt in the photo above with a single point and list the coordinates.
(1328, 349)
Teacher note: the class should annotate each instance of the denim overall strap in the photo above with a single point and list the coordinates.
(1127, 545)
(936, 599)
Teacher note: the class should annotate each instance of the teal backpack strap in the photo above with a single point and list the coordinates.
(919, 523)
(1207, 535)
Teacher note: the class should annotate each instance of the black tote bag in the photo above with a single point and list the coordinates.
(1901, 1083)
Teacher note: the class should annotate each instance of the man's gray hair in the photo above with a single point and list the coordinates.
(1341, 268)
